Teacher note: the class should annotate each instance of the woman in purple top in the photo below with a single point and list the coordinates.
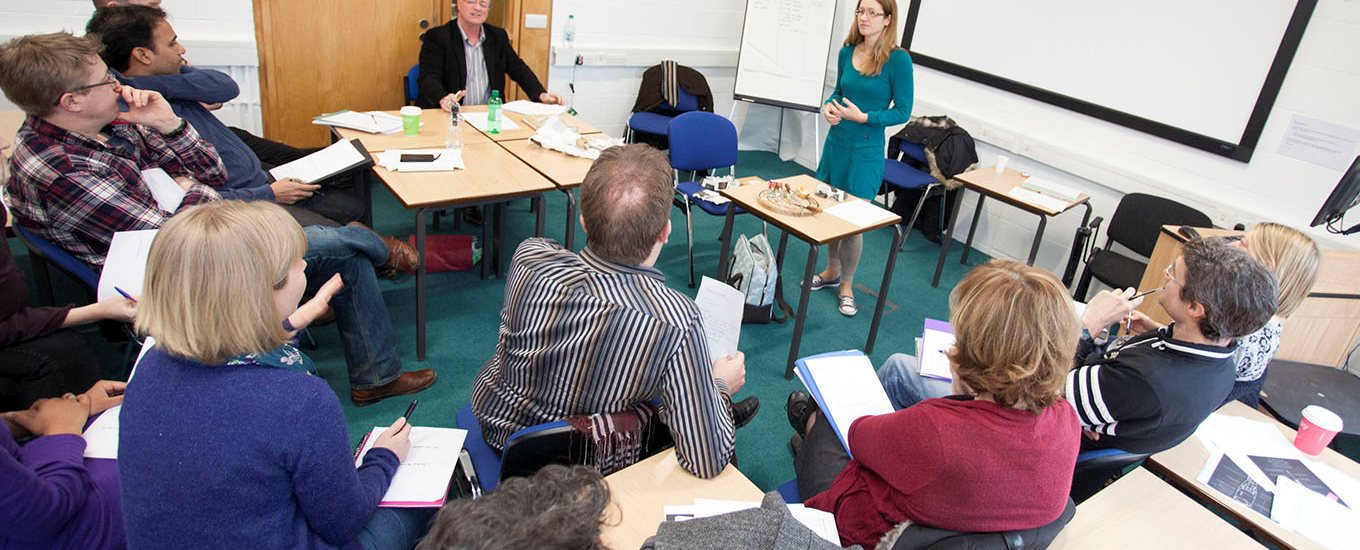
(227, 438)
(50, 496)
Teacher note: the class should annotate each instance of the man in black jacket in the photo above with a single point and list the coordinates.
(465, 59)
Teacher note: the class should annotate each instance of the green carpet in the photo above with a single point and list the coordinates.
(464, 316)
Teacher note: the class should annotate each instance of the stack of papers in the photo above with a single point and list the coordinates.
(530, 108)
(932, 352)
(422, 480)
(445, 160)
(822, 523)
(337, 158)
(125, 263)
(555, 135)
(373, 122)
(845, 387)
(1055, 190)
(478, 121)
(1042, 201)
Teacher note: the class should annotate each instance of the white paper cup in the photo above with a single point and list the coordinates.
(1001, 162)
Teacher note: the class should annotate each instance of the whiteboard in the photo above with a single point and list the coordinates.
(785, 49)
(1202, 72)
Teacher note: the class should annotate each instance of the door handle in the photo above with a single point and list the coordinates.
(424, 23)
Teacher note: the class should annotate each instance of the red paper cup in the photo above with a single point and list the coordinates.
(1316, 429)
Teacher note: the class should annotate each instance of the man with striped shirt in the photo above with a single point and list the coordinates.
(600, 332)
(1149, 393)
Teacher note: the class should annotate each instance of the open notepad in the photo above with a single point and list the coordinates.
(422, 480)
(846, 388)
(373, 122)
(933, 349)
(340, 157)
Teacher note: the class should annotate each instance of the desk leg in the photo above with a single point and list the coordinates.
(946, 240)
(779, 302)
(420, 285)
(725, 240)
(972, 229)
(540, 213)
(1038, 236)
(500, 208)
(883, 287)
(365, 183)
(570, 231)
(801, 315)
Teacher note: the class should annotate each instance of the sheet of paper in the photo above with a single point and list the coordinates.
(1042, 201)
(933, 351)
(1052, 189)
(446, 160)
(422, 480)
(1320, 142)
(317, 166)
(373, 122)
(101, 438)
(530, 108)
(167, 192)
(147, 344)
(822, 523)
(125, 264)
(1242, 436)
(708, 507)
(720, 306)
(849, 388)
(1228, 477)
(860, 213)
(1346, 487)
(1319, 518)
(478, 121)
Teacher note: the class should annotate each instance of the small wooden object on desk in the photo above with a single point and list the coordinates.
(1140, 511)
(528, 125)
(434, 126)
(990, 184)
(1181, 464)
(638, 493)
(815, 228)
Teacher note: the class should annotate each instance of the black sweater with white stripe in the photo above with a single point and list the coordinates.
(1151, 392)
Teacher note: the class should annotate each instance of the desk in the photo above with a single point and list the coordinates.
(565, 171)
(1140, 511)
(528, 124)
(492, 175)
(638, 492)
(1181, 464)
(987, 183)
(816, 230)
(1291, 386)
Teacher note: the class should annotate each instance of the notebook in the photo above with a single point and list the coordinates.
(846, 388)
(422, 480)
(338, 158)
(373, 122)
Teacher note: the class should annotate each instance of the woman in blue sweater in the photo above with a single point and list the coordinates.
(228, 440)
(873, 91)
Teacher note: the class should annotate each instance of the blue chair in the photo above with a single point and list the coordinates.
(902, 171)
(44, 253)
(1096, 469)
(658, 122)
(410, 83)
(700, 141)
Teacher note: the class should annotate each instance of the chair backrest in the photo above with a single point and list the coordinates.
(1095, 468)
(412, 84)
(702, 141)
(532, 448)
(1139, 218)
(920, 536)
(688, 102)
(64, 261)
(914, 151)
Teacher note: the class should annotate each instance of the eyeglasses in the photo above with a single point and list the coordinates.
(1170, 276)
(109, 80)
(861, 12)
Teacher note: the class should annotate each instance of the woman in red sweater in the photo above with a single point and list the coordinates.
(996, 457)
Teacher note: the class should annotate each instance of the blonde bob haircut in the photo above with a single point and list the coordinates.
(211, 278)
(1016, 334)
(1292, 256)
(883, 47)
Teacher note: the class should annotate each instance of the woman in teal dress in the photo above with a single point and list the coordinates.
(873, 91)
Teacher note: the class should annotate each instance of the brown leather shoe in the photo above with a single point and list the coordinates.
(401, 256)
(407, 383)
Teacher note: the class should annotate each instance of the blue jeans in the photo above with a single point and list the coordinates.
(396, 528)
(365, 326)
(901, 378)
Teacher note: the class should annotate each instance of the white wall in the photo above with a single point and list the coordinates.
(217, 34)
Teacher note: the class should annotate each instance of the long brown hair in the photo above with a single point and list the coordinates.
(883, 47)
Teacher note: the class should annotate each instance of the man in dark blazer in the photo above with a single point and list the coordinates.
(446, 77)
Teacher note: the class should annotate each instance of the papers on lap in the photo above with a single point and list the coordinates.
(338, 158)
(164, 189)
(101, 438)
(846, 388)
(125, 263)
(932, 354)
(721, 307)
(422, 480)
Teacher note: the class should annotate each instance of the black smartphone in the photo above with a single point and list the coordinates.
(418, 158)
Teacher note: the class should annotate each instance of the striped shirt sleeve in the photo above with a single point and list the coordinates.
(1104, 394)
(694, 409)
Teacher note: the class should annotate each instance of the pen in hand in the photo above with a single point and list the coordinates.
(410, 409)
(125, 294)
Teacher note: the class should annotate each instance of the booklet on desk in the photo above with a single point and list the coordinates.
(373, 122)
(338, 158)
(422, 480)
(845, 387)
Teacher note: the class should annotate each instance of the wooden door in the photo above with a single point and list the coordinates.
(320, 56)
(533, 45)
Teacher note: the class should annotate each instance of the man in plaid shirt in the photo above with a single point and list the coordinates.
(78, 178)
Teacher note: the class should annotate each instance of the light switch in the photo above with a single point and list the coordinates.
(535, 21)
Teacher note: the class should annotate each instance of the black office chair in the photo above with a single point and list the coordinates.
(1135, 225)
(1096, 469)
(920, 536)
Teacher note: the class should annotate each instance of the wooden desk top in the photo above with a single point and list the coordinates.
(1182, 464)
(1141, 511)
(528, 124)
(638, 492)
(565, 171)
(996, 186)
(491, 172)
(434, 125)
(819, 228)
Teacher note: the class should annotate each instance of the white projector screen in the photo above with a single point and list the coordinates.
(1201, 72)
(785, 46)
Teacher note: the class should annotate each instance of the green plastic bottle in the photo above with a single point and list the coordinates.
(493, 113)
